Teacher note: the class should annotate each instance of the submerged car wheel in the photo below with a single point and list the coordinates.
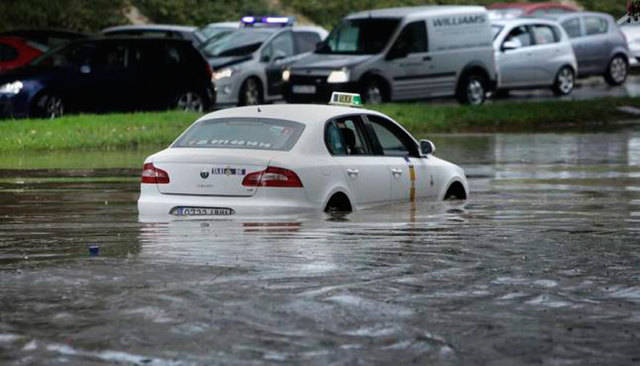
(49, 106)
(617, 71)
(251, 92)
(565, 81)
(190, 101)
(472, 89)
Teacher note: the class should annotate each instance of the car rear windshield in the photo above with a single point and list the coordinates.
(242, 133)
(359, 36)
(238, 43)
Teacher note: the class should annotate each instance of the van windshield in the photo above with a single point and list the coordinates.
(359, 36)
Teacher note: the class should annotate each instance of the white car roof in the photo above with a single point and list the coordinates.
(303, 113)
(524, 21)
(417, 11)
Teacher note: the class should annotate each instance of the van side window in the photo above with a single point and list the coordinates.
(545, 34)
(413, 38)
(595, 25)
(520, 35)
(572, 27)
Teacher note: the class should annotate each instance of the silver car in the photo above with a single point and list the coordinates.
(533, 53)
(599, 45)
(248, 62)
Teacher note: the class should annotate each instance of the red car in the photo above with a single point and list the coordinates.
(514, 10)
(16, 52)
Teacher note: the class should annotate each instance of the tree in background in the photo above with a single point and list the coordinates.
(78, 15)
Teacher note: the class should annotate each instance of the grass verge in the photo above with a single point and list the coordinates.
(157, 129)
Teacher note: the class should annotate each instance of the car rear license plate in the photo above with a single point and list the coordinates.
(304, 89)
(202, 211)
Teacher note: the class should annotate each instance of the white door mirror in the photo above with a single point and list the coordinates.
(427, 147)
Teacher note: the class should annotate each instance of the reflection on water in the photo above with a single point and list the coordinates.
(539, 266)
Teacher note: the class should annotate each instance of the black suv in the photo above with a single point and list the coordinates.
(109, 74)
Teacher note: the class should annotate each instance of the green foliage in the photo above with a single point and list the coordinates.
(199, 12)
(78, 15)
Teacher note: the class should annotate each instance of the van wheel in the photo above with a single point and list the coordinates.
(251, 92)
(472, 89)
(617, 71)
(565, 81)
(373, 92)
(189, 101)
(49, 105)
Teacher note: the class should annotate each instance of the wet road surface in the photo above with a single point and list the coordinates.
(540, 266)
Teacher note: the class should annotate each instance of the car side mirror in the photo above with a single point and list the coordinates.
(265, 58)
(279, 55)
(427, 147)
(510, 45)
(85, 69)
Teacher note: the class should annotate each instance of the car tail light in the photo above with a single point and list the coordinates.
(209, 71)
(153, 175)
(272, 177)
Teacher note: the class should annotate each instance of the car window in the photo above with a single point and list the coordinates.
(72, 55)
(306, 41)
(413, 38)
(544, 34)
(7, 53)
(595, 25)
(280, 46)
(572, 27)
(359, 36)
(111, 57)
(520, 35)
(242, 133)
(393, 141)
(344, 136)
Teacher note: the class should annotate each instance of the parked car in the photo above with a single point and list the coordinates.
(514, 10)
(533, 53)
(600, 46)
(291, 159)
(631, 32)
(50, 38)
(248, 62)
(16, 52)
(156, 30)
(400, 54)
(109, 74)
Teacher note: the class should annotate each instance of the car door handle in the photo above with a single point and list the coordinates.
(396, 172)
(426, 58)
(352, 172)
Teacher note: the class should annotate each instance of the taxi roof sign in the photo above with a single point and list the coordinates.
(347, 99)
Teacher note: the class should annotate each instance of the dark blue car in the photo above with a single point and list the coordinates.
(109, 74)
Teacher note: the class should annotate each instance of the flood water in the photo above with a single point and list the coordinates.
(540, 266)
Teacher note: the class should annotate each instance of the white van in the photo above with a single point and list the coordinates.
(400, 54)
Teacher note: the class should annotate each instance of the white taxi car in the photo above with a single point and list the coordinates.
(290, 159)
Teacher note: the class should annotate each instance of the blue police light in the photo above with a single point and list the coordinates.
(250, 21)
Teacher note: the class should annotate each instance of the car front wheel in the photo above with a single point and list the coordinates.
(189, 101)
(49, 106)
(472, 89)
(565, 81)
(251, 92)
(617, 71)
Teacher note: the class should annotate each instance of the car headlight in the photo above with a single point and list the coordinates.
(338, 76)
(286, 74)
(12, 88)
(223, 73)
